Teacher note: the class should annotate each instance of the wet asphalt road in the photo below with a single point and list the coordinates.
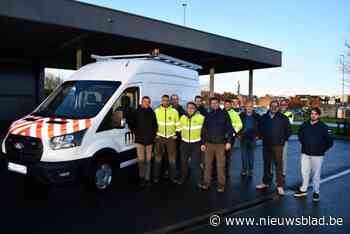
(333, 207)
(27, 207)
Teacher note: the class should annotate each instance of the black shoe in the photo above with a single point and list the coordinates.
(155, 181)
(142, 182)
(315, 197)
(148, 183)
(181, 181)
(165, 175)
(300, 193)
(243, 173)
(173, 182)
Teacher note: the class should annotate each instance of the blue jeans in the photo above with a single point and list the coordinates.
(247, 155)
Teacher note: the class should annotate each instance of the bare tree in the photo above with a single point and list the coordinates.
(51, 82)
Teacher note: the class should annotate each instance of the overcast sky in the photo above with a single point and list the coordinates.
(311, 35)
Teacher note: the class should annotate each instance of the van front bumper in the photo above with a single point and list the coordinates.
(50, 172)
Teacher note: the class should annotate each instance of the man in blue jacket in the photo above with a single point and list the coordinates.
(216, 135)
(274, 130)
(315, 141)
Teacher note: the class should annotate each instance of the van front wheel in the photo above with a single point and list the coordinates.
(103, 175)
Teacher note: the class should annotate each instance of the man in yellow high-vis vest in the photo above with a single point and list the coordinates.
(168, 124)
(191, 126)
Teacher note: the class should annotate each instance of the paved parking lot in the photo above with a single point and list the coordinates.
(71, 208)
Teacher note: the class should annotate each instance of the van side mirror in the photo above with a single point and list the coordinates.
(118, 120)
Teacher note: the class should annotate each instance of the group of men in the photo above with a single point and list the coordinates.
(207, 135)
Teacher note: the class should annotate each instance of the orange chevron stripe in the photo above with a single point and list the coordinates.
(22, 124)
(38, 129)
(50, 129)
(64, 128)
(87, 123)
(25, 132)
(76, 125)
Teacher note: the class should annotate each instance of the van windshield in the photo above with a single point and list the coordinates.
(78, 99)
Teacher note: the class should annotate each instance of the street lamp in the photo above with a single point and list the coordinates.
(343, 77)
(184, 6)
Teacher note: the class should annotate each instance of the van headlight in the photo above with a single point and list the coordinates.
(67, 141)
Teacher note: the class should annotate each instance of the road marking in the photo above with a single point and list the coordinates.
(332, 177)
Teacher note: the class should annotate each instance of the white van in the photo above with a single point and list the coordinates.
(80, 129)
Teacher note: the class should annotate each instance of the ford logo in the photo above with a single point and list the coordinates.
(18, 146)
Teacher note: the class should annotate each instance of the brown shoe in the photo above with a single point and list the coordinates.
(203, 186)
(221, 189)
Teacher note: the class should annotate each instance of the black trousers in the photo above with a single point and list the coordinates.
(189, 150)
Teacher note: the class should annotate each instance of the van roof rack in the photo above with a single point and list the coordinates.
(155, 56)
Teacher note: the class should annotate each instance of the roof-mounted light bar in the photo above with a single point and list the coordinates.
(154, 55)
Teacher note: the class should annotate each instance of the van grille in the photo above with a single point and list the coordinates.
(23, 149)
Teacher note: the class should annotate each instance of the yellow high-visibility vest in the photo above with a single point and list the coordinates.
(168, 121)
(289, 115)
(235, 120)
(191, 127)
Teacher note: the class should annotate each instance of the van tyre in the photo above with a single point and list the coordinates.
(102, 175)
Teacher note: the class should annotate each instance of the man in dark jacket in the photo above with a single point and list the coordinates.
(248, 135)
(145, 128)
(275, 130)
(175, 103)
(216, 135)
(315, 141)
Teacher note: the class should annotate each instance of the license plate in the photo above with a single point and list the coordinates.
(17, 168)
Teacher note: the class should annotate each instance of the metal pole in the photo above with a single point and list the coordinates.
(184, 5)
(250, 83)
(79, 58)
(211, 82)
(343, 79)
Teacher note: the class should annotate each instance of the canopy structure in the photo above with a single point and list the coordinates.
(64, 34)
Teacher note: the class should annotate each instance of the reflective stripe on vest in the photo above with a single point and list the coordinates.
(168, 121)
